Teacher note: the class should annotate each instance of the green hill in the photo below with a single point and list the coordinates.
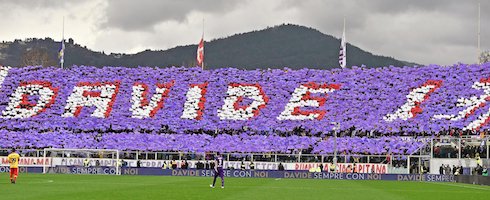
(281, 46)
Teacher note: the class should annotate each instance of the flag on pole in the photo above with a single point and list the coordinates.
(343, 50)
(61, 54)
(200, 54)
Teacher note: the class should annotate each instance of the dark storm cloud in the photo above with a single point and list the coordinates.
(131, 15)
(422, 31)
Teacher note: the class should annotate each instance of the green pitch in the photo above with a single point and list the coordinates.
(95, 187)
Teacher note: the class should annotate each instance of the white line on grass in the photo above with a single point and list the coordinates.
(462, 186)
(35, 181)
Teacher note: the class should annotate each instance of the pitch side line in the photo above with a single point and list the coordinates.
(462, 186)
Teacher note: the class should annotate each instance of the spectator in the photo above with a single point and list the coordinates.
(280, 167)
(457, 172)
(423, 169)
(312, 169)
(199, 165)
(174, 164)
(479, 169)
(478, 159)
(242, 165)
(447, 170)
(124, 163)
(86, 163)
(183, 164)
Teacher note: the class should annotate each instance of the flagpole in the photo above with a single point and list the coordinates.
(344, 25)
(479, 20)
(345, 48)
(202, 36)
(63, 41)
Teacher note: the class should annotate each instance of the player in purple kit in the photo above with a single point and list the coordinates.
(218, 170)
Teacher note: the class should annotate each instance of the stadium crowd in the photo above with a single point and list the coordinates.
(366, 102)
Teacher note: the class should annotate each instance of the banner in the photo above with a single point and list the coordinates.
(235, 173)
(27, 161)
(310, 175)
(341, 167)
(118, 98)
(253, 174)
(162, 109)
(104, 162)
(6, 169)
(82, 170)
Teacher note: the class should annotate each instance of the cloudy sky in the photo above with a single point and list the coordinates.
(422, 31)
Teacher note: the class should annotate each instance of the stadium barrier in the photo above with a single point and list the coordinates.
(342, 167)
(473, 179)
(291, 174)
(466, 163)
(299, 174)
(6, 169)
(313, 175)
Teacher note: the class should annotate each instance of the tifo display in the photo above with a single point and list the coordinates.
(189, 109)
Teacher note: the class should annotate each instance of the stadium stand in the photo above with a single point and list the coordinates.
(380, 110)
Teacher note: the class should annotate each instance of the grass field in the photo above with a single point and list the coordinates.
(95, 187)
